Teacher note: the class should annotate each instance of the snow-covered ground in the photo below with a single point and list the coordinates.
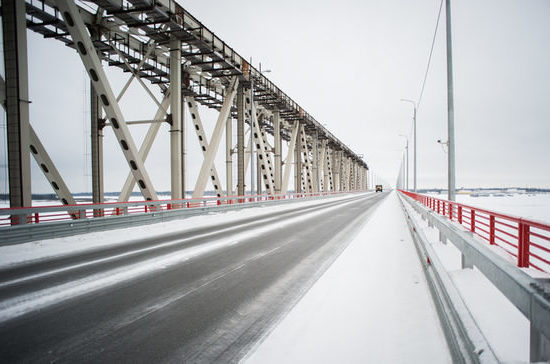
(371, 306)
(532, 206)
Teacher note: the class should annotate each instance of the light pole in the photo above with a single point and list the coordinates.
(414, 140)
(407, 162)
(450, 106)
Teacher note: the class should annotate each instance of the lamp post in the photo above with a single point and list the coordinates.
(450, 106)
(414, 140)
(406, 184)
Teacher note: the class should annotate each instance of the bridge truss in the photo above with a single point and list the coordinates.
(161, 45)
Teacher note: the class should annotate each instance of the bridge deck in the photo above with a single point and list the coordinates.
(195, 293)
(371, 306)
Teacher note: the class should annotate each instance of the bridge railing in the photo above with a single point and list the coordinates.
(55, 213)
(528, 241)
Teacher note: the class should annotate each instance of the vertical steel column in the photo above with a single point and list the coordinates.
(315, 179)
(337, 170)
(241, 95)
(229, 156)
(298, 161)
(175, 128)
(96, 129)
(17, 103)
(278, 151)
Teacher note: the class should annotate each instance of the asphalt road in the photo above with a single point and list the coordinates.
(203, 295)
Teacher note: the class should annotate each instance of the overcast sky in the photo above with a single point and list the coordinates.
(348, 63)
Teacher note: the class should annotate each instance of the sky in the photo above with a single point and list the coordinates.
(347, 63)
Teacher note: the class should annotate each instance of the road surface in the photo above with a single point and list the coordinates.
(202, 295)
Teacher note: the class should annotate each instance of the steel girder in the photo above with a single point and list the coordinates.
(145, 148)
(203, 141)
(17, 103)
(92, 63)
(289, 161)
(215, 140)
(130, 28)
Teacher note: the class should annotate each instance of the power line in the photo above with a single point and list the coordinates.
(430, 57)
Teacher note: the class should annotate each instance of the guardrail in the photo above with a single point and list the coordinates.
(527, 240)
(56, 213)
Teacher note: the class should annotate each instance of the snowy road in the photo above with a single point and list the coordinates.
(202, 295)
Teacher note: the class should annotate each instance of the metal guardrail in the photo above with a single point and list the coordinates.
(529, 295)
(527, 240)
(20, 225)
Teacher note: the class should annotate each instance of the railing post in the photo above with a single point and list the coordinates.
(523, 244)
(36, 218)
(459, 214)
(492, 229)
(450, 211)
(473, 221)
(438, 206)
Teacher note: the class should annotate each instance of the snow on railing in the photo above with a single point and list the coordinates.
(53, 213)
(527, 240)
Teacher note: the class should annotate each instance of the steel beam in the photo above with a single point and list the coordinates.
(315, 163)
(17, 104)
(241, 117)
(145, 148)
(289, 158)
(229, 156)
(298, 162)
(176, 172)
(263, 159)
(92, 63)
(208, 162)
(203, 141)
(50, 171)
(278, 151)
(96, 136)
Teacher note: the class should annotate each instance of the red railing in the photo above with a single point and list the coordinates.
(527, 240)
(53, 213)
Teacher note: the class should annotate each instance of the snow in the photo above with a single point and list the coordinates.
(531, 206)
(40, 249)
(371, 306)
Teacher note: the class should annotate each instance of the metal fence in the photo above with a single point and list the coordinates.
(526, 240)
(56, 213)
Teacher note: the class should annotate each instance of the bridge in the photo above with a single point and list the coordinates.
(214, 271)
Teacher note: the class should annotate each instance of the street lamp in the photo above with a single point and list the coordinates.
(414, 139)
(407, 162)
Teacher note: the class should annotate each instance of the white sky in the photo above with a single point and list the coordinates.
(348, 63)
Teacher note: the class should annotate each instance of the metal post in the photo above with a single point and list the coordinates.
(298, 161)
(252, 121)
(175, 128)
(450, 106)
(96, 149)
(17, 103)
(241, 95)
(278, 151)
(229, 156)
(414, 141)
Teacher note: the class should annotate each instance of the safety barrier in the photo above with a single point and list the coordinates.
(56, 213)
(527, 240)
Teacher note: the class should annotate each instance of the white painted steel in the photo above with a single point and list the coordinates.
(93, 66)
(216, 138)
(145, 149)
(49, 170)
(289, 158)
(203, 141)
(176, 129)
(278, 151)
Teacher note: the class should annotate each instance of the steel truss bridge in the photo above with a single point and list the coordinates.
(161, 45)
